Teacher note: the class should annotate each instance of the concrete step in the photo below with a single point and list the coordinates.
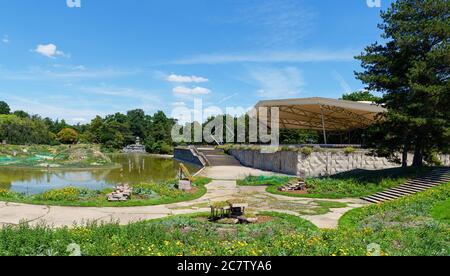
(388, 195)
(409, 188)
(421, 185)
(394, 193)
(404, 191)
(431, 184)
(377, 198)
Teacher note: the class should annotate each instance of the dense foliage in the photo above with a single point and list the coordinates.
(68, 136)
(113, 132)
(412, 70)
(402, 227)
(361, 96)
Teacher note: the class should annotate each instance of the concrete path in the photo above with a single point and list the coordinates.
(222, 188)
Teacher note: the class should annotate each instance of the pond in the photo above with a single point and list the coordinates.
(135, 169)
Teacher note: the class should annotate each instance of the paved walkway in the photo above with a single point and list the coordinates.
(222, 188)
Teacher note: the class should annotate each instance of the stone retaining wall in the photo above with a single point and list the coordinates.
(316, 164)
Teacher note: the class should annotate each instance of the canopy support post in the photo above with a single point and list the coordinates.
(323, 126)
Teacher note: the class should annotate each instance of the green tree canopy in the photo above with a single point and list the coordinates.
(4, 108)
(361, 96)
(68, 136)
(412, 70)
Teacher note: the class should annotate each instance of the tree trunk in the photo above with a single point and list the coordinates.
(418, 155)
(405, 156)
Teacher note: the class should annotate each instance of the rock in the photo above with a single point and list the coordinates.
(248, 220)
(121, 193)
(228, 221)
(184, 185)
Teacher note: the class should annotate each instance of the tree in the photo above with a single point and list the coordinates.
(159, 138)
(21, 114)
(68, 136)
(138, 122)
(361, 96)
(4, 108)
(19, 131)
(412, 70)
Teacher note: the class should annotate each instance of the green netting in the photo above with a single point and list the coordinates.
(5, 159)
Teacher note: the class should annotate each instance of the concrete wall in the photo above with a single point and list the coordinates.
(316, 164)
(187, 155)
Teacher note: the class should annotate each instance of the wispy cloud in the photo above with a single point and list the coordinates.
(271, 57)
(185, 79)
(65, 73)
(191, 91)
(346, 88)
(277, 23)
(124, 92)
(278, 83)
(70, 114)
(5, 39)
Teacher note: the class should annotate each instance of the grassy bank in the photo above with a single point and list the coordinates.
(54, 157)
(143, 195)
(346, 185)
(403, 227)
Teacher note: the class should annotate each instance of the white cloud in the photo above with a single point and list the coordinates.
(49, 50)
(6, 39)
(179, 104)
(278, 83)
(186, 79)
(271, 57)
(191, 91)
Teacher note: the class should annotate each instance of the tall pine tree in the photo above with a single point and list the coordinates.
(412, 70)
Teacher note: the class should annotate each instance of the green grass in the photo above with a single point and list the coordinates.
(353, 184)
(441, 211)
(264, 180)
(402, 227)
(145, 195)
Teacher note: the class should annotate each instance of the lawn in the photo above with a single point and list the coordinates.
(346, 185)
(143, 195)
(402, 227)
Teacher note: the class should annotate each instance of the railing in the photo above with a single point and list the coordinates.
(200, 156)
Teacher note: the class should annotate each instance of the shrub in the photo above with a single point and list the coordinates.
(349, 150)
(307, 151)
(68, 136)
(65, 194)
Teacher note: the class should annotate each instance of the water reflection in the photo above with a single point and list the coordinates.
(135, 168)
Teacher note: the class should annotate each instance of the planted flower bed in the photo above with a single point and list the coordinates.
(143, 195)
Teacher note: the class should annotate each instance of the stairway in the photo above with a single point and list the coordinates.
(432, 179)
(217, 157)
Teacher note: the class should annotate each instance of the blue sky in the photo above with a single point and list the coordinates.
(115, 55)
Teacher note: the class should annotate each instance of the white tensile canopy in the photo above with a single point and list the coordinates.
(324, 114)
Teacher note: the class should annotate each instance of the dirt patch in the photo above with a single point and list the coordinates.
(194, 190)
(264, 219)
(300, 192)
